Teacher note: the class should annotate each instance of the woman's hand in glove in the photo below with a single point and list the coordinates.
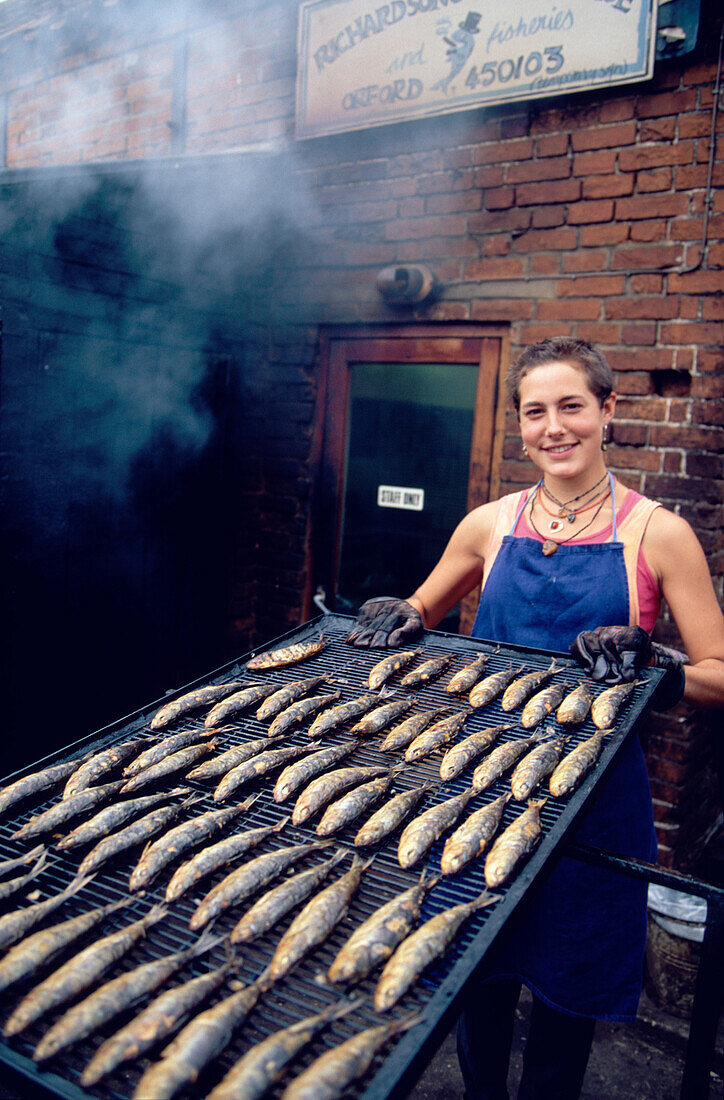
(616, 654)
(385, 621)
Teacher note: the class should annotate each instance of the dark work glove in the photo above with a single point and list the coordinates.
(616, 654)
(385, 621)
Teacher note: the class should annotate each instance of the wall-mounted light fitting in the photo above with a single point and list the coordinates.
(405, 285)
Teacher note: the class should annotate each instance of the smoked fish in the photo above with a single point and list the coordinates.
(403, 734)
(426, 672)
(288, 694)
(249, 879)
(575, 706)
(108, 819)
(200, 1041)
(422, 832)
(354, 803)
(542, 704)
(513, 844)
(378, 719)
(316, 920)
(36, 950)
(136, 833)
(231, 758)
(465, 752)
(100, 763)
(113, 997)
(420, 948)
(249, 696)
(329, 1075)
(474, 835)
(535, 766)
(192, 700)
(79, 972)
(501, 760)
(37, 782)
(388, 666)
(15, 925)
(606, 706)
(154, 1023)
(492, 686)
(218, 855)
(520, 690)
(435, 736)
(373, 941)
(386, 819)
(303, 771)
(178, 840)
(336, 716)
(467, 677)
(262, 1066)
(160, 749)
(176, 762)
(281, 899)
(317, 794)
(287, 655)
(65, 810)
(298, 712)
(576, 764)
(260, 765)
(13, 885)
(9, 865)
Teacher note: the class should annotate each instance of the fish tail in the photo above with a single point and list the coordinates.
(341, 1008)
(156, 914)
(206, 942)
(264, 981)
(485, 899)
(80, 880)
(280, 824)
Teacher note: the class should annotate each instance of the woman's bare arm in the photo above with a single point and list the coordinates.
(677, 559)
(460, 568)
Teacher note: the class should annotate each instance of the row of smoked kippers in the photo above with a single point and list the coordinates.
(114, 818)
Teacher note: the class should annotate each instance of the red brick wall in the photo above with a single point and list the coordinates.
(580, 215)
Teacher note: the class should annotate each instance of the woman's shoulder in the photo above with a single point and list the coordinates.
(669, 541)
(481, 521)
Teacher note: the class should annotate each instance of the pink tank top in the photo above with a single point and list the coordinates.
(636, 509)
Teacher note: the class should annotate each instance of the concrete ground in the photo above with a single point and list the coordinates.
(640, 1061)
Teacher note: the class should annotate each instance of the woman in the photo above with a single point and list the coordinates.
(577, 562)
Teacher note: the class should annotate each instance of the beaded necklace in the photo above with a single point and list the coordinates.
(564, 505)
(551, 545)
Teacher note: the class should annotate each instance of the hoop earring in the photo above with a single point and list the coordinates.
(605, 437)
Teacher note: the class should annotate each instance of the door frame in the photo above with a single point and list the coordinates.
(339, 348)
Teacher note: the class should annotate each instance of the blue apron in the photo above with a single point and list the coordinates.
(579, 942)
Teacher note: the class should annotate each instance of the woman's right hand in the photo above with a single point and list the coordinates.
(385, 621)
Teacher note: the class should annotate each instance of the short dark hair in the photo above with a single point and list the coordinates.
(562, 349)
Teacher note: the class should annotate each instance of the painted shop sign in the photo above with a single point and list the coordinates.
(366, 63)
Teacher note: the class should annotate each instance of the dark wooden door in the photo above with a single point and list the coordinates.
(407, 445)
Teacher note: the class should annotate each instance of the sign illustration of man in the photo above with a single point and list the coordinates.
(460, 46)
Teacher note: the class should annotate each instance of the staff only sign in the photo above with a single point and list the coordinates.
(366, 63)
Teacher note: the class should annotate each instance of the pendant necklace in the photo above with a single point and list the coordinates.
(550, 545)
(556, 524)
(565, 505)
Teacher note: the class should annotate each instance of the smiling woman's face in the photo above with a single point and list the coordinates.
(561, 420)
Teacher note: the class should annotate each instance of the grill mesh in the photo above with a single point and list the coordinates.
(301, 993)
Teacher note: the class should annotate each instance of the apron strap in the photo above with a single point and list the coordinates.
(632, 532)
(509, 510)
